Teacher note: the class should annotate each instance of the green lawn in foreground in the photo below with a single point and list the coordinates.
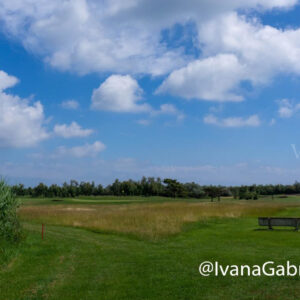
(77, 264)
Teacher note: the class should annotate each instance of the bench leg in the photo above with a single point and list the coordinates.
(269, 224)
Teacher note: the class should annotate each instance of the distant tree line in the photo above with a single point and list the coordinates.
(154, 187)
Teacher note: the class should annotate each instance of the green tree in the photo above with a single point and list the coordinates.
(40, 190)
(116, 188)
(174, 188)
(212, 192)
(194, 190)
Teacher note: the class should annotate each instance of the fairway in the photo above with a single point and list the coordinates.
(92, 259)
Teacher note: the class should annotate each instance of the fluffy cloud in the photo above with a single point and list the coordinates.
(235, 49)
(252, 121)
(21, 124)
(72, 130)
(287, 108)
(7, 81)
(112, 35)
(122, 94)
(263, 50)
(169, 109)
(119, 94)
(212, 78)
(127, 37)
(81, 151)
(70, 104)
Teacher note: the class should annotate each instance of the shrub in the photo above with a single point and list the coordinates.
(10, 228)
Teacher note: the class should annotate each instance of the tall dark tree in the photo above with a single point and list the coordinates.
(212, 192)
(173, 188)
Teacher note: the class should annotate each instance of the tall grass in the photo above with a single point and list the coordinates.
(151, 221)
(10, 228)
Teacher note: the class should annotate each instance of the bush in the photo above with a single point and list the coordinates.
(10, 228)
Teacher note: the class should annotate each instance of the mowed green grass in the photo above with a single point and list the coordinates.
(75, 263)
(28, 201)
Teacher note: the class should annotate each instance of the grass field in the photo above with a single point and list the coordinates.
(147, 248)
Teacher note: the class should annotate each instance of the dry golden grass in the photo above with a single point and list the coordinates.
(151, 221)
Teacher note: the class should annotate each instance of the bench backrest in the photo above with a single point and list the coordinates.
(263, 221)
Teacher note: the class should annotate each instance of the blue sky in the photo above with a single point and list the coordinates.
(98, 90)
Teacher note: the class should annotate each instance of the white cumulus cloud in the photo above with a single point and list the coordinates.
(7, 81)
(122, 94)
(127, 37)
(212, 78)
(72, 130)
(112, 35)
(21, 123)
(119, 93)
(235, 49)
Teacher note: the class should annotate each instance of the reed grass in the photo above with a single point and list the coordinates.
(151, 221)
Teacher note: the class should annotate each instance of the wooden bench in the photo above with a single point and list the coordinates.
(277, 221)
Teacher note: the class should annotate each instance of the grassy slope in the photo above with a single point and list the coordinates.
(77, 264)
